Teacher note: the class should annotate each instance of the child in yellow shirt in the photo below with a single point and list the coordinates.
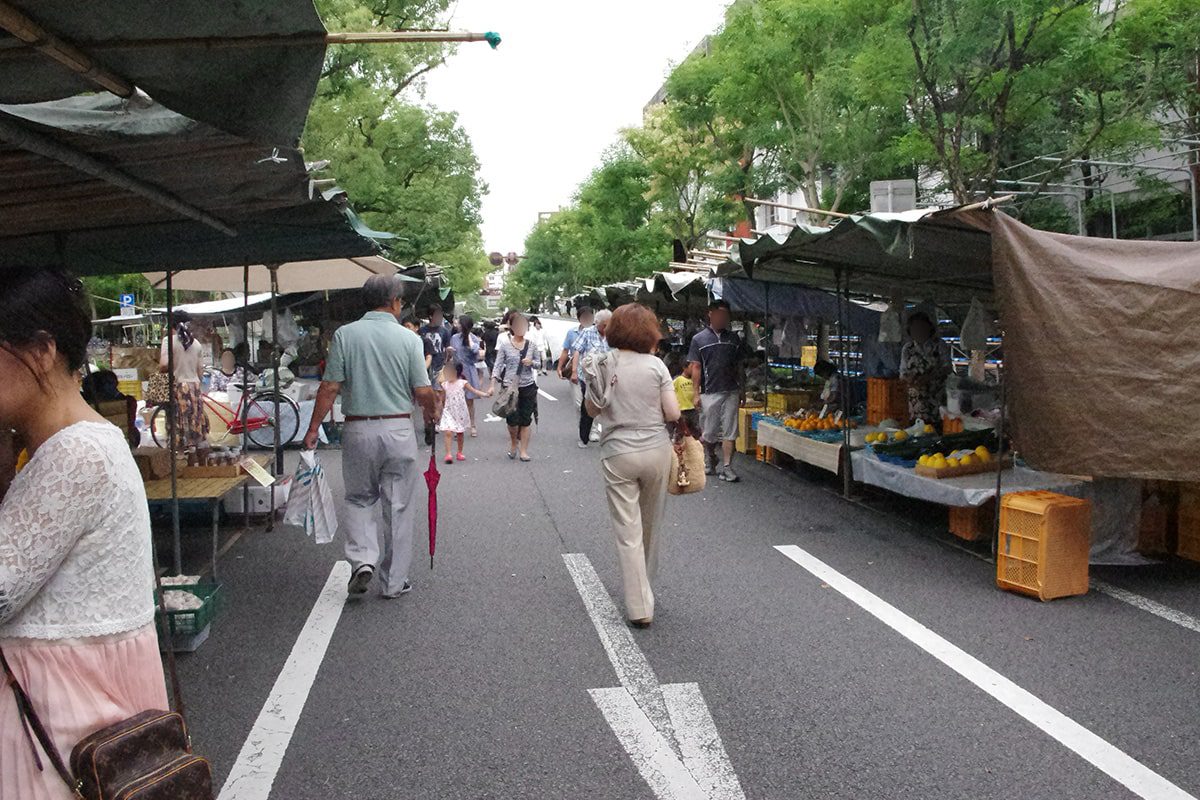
(685, 393)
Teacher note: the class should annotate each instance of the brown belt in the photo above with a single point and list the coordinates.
(384, 416)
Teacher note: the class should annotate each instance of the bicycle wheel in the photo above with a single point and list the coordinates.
(158, 427)
(262, 422)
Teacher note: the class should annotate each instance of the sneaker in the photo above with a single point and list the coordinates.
(449, 458)
(461, 457)
(404, 590)
(361, 579)
(595, 437)
(728, 475)
(581, 445)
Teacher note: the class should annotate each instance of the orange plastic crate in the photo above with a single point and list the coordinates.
(952, 424)
(1044, 543)
(886, 399)
(973, 523)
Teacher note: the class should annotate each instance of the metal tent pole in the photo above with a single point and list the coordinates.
(843, 316)
(172, 424)
(767, 349)
(278, 452)
(1000, 446)
(245, 387)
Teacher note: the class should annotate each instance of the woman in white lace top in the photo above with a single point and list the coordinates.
(76, 580)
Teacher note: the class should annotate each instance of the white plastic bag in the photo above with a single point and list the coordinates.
(976, 328)
(890, 329)
(310, 505)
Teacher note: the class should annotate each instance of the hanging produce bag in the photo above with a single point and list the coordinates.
(310, 505)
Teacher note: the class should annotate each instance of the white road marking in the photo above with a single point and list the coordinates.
(650, 752)
(1115, 763)
(492, 418)
(262, 753)
(547, 395)
(668, 730)
(1146, 604)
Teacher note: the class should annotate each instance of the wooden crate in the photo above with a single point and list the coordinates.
(886, 399)
(1044, 542)
(973, 523)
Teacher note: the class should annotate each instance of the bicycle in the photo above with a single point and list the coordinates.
(260, 419)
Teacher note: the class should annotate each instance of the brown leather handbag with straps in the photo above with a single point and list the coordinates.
(146, 757)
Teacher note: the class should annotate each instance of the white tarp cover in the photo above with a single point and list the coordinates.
(297, 276)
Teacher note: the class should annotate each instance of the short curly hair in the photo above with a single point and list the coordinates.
(633, 327)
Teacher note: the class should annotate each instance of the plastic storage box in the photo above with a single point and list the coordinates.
(1044, 542)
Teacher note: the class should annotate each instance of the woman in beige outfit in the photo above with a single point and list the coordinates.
(631, 392)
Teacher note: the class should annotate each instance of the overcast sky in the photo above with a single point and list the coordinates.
(543, 107)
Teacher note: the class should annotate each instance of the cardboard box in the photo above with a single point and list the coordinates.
(153, 462)
(260, 498)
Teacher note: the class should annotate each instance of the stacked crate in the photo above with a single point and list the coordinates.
(886, 399)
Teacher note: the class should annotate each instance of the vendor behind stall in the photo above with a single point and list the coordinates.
(835, 384)
(925, 365)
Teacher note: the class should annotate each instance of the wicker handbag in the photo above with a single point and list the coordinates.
(158, 389)
(687, 467)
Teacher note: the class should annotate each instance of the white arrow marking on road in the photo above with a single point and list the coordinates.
(668, 730)
(257, 765)
(1118, 765)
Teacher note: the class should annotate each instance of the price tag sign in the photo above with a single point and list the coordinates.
(256, 471)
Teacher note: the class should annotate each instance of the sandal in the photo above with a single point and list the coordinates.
(526, 458)
(512, 455)
(474, 433)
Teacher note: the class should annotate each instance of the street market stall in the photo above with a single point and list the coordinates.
(1056, 296)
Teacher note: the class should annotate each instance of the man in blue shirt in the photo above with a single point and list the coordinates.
(715, 359)
(378, 366)
(568, 351)
(590, 340)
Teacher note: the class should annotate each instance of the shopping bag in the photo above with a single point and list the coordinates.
(687, 467)
(310, 505)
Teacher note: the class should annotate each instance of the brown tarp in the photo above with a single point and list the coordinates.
(1102, 351)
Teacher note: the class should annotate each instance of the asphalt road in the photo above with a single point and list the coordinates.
(479, 684)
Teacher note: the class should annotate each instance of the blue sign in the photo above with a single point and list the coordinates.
(126, 301)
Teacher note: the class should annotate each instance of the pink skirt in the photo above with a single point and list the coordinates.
(76, 686)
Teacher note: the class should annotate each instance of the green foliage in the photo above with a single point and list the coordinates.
(989, 84)
(106, 290)
(408, 169)
(682, 159)
(609, 234)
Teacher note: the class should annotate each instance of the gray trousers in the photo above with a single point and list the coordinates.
(379, 468)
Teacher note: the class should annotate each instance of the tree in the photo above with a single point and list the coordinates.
(986, 84)
(608, 234)
(777, 90)
(682, 160)
(408, 169)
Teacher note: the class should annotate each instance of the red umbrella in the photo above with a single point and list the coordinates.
(432, 476)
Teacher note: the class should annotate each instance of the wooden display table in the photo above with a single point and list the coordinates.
(210, 490)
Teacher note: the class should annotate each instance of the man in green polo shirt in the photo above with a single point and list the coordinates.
(378, 366)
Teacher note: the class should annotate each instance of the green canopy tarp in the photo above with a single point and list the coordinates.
(923, 251)
(54, 214)
(247, 67)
